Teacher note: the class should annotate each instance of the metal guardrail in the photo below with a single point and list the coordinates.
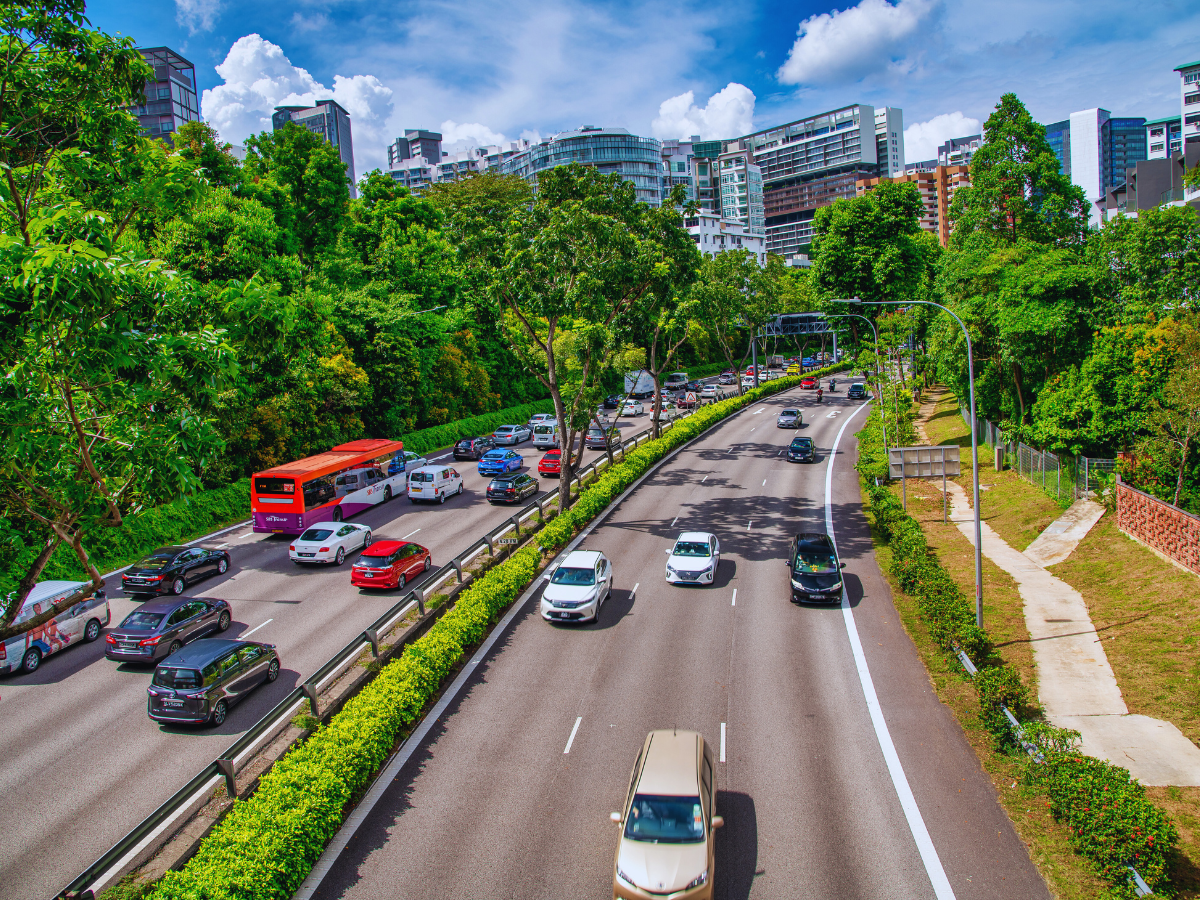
(225, 767)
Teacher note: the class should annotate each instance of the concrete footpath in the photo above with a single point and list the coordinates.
(1076, 685)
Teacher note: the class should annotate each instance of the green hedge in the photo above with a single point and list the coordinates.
(266, 845)
(1111, 821)
(440, 436)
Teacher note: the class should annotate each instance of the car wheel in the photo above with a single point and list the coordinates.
(222, 567)
(217, 716)
(459, 491)
(400, 582)
(341, 556)
(428, 563)
(177, 586)
(175, 647)
(367, 538)
(387, 493)
(31, 660)
(337, 514)
(442, 497)
(92, 631)
(223, 621)
(272, 671)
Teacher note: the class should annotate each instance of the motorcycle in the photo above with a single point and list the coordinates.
(820, 393)
(832, 385)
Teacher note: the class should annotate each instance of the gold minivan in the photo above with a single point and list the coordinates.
(667, 827)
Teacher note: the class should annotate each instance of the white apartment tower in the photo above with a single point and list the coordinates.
(889, 141)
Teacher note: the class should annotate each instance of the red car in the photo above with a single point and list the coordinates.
(809, 383)
(551, 463)
(390, 564)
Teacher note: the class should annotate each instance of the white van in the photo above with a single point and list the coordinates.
(81, 622)
(433, 483)
(545, 434)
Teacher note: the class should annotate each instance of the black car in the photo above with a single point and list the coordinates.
(169, 570)
(511, 488)
(473, 448)
(816, 572)
(161, 627)
(802, 449)
(857, 391)
(612, 401)
(199, 683)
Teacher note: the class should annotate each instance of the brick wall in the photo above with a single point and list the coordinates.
(1156, 523)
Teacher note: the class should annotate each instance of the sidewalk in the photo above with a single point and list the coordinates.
(1076, 684)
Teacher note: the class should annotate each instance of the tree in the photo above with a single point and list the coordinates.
(200, 143)
(1175, 422)
(1017, 188)
(583, 253)
(735, 298)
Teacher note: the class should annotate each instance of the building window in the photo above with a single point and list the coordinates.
(1155, 148)
(1191, 77)
(1193, 119)
(1189, 99)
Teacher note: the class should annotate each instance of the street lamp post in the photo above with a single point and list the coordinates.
(878, 380)
(974, 440)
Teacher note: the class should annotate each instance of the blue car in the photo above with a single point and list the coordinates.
(498, 461)
(809, 362)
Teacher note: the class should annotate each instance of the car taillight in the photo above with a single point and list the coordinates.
(292, 548)
(510, 490)
(150, 642)
(109, 639)
(324, 550)
(155, 578)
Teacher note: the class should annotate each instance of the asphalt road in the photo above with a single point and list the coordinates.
(83, 764)
(490, 805)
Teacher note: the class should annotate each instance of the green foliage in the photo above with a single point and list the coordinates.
(1000, 687)
(1110, 819)
(430, 439)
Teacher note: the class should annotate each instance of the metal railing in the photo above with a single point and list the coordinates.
(193, 795)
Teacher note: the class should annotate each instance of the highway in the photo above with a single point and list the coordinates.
(820, 798)
(83, 764)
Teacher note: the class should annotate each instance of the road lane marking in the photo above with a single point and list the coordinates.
(734, 597)
(673, 521)
(748, 524)
(410, 534)
(832, 414)
(443, 456)
(252, 630)
(220, 546)
(764, 484)
(722, 742)
(757, 411)
(633, 593)
(751, 429)
(912, 813)
(704, 479)
(571, 739)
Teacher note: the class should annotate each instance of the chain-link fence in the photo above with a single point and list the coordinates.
(1066, 479)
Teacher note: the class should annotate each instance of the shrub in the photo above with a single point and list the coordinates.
(998, 687)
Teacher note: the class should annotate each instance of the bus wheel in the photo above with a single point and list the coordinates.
(337, 514)
(387, 493)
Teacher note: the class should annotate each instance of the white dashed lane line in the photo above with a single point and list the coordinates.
(571, 739)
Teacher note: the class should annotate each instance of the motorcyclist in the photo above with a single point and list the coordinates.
(833, 384)
(820, 394)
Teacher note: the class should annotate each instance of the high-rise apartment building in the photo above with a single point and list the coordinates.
(936, 187)
(416, 144)
(1095, 150)
(1164, 137)
(889, 141)
(958, 151)
(637, 160)
(742, 190)
(677, 158)
(417, 159)
(705, 174)
(1189, 100)
(170, 99)
(328, 119)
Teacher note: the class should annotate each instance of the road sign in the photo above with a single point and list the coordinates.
(691, 397)
(924, 462)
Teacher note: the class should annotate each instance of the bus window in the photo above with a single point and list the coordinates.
(318, 492)
(285, 486)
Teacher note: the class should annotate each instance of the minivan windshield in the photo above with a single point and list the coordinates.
(563, 575)
(815, 561)
(142, 620)
(170, 677)
(316, 534)
(691, 548)
(665, 819)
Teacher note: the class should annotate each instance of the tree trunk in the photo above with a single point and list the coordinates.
(1020, 396)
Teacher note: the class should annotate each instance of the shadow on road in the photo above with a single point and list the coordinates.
(737, 846)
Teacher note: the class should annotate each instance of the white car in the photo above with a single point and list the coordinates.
(633, 408)
(747, 381)
(329, 542)
(577, 589)
(538, 418)
(406, 461)
(512, 434)
(708, 392)
(434, 483)
(694, 558)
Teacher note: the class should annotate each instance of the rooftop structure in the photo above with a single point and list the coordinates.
(170, 99)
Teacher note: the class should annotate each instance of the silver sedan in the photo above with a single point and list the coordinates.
(512, 434)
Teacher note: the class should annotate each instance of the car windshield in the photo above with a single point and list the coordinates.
(494, 454)
(670, 820)
(790, 412)
(142, 620)
(563, 575)
(375, 562)
(171, 677)
(595, 434)
(316, 534)
(692, 548)
(815, 560)
(505, 429)
(856, 387)
(421, 477)
(156, 561)
(553, 455)
(802, 444)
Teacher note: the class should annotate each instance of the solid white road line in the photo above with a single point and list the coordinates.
(410, 534)
(254, 629)
(916, 824)
(734, 597)
(571, 739)
(722, 742)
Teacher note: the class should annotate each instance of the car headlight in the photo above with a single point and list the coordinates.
(671, 571)
(700, 879)
(629, 881)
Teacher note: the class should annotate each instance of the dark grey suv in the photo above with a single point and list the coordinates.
(199, 684)
(160, 627)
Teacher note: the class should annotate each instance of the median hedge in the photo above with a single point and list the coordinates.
(264, 848)
(1111, 821)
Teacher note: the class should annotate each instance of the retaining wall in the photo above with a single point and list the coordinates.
(1159, 525)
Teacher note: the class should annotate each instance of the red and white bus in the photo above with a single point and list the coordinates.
(329, 486)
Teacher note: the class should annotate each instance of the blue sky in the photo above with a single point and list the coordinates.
(480, 70)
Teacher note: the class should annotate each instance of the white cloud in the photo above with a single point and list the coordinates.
(729, 113)
(196, 15)
(456, 137)
(922, 139)
(315, 22)
(852, 43)
(257, 77)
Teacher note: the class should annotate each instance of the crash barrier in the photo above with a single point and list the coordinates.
(1066, 479)
(156, 827)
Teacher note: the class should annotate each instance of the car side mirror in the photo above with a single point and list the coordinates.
(842, 566)
(718, 821)
(668, 552)
(616, 817)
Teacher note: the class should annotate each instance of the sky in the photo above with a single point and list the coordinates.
(482, 72)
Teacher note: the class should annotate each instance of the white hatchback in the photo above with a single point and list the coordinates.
(694, 558)
(329, 542)
(633, 408)
(434, 483)
(577, 589)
